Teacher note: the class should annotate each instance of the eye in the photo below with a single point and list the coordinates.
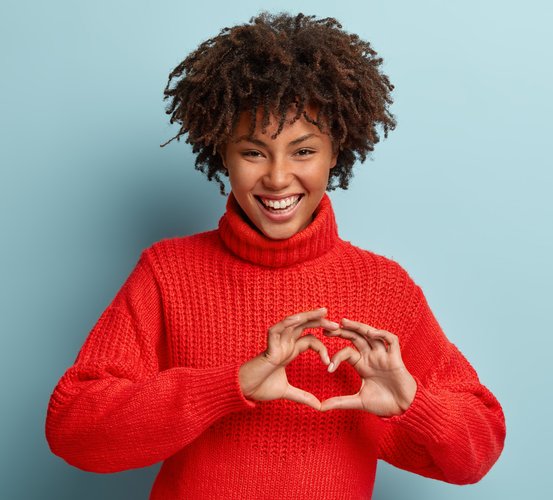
(251, 153)
(305, 152)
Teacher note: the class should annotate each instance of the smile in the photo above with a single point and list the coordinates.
(272, 208)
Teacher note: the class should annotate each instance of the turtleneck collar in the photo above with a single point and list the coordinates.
(252, 245)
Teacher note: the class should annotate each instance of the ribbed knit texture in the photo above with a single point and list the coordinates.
(157, 378)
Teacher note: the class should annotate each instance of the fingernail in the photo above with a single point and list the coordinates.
(331, 367)
(335, 325)
(322, 309)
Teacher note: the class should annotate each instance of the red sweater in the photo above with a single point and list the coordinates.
(157, 378)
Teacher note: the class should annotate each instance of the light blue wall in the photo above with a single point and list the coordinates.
(460, 195)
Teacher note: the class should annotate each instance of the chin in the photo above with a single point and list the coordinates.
(284, 237)
(282, 234)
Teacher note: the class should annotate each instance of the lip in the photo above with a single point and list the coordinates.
(282, 197)
(279, 217)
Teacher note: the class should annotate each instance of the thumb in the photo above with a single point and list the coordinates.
(300, 396)
(349, 402)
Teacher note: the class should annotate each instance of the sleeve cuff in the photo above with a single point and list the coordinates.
(427, 416)
(216, 391)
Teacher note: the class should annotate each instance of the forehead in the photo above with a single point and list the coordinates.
(245, 118)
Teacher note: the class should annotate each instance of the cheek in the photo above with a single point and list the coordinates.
(242, 179)
(317, 176)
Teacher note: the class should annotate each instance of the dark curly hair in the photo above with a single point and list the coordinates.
(275, 61)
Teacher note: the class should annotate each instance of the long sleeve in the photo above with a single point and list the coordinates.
(454, 429)
(119, 406)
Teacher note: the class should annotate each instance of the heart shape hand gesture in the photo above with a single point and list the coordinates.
(387, 387)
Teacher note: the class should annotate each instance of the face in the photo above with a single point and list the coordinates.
(290, 172)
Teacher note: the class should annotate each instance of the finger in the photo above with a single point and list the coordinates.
(358, 340)
(294, 332)
(351, 402)
(348, 354)
(385, 338)
(312, 342)
(300, 396)
(275, 331)
(295, 320)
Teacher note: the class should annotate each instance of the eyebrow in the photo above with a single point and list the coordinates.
(259, 142)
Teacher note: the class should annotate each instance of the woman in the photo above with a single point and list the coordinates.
(269, 358)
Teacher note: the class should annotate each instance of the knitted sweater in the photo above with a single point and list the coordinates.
(157, 377)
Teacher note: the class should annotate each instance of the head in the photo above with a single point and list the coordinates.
(279, 180)
(275, 73)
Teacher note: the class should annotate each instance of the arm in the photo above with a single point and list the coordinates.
(454, 429)
(119, 407)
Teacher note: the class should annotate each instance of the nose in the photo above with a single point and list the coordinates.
(278, 175)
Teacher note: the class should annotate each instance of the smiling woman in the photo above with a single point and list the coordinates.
(279, 182)
(203, 361)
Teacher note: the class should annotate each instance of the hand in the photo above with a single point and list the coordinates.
(387, 387)
(263, 378)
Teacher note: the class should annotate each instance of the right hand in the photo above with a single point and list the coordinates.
(263, 378)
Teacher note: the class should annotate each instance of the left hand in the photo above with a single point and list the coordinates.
(387, 387)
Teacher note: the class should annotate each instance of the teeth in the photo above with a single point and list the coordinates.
(279, 204)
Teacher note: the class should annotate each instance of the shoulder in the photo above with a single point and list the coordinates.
(172, 251)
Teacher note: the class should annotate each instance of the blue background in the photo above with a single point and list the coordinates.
(459, 194)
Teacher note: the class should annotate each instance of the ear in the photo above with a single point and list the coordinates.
(334, 161)
(221, 153)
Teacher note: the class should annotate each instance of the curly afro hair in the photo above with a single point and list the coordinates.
(276, 61)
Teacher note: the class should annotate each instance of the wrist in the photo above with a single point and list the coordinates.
(252, 373)
(243, 379)
(407, 394)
